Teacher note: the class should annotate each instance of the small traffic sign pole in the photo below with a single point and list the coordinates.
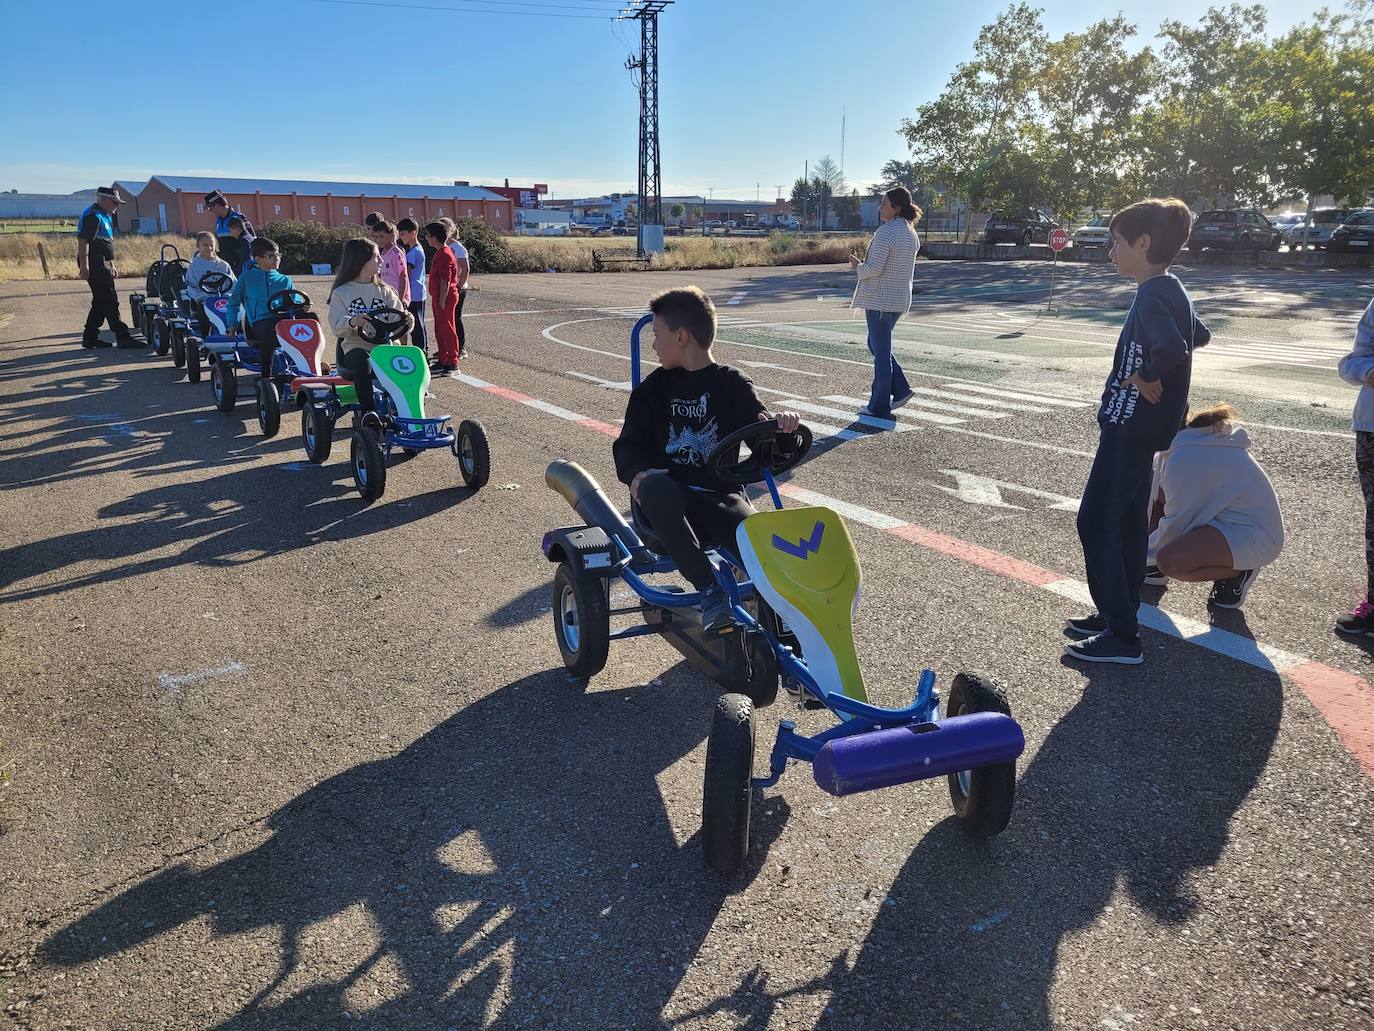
(1059, 239)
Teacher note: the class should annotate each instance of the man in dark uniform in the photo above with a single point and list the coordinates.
(95, 262)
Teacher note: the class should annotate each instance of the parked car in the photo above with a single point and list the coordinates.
(1324, 221)
(1094, 233)
(1025, 228)
(1355, 234)
(1233, 229)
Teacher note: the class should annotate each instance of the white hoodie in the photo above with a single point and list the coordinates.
(1210, 478)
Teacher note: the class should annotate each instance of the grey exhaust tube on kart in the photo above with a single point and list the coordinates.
(589, 501)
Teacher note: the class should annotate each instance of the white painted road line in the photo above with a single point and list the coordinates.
(863, 420)
(173, 683)
(966, 387)
(910, 412)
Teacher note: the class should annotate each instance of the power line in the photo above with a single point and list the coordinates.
(472, 10)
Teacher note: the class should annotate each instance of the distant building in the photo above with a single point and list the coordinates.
(695, 209)
(542, 222)
(521, 196)
(176, 203)
(45, 205)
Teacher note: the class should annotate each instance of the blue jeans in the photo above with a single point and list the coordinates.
(888, 379)
(1113, 525)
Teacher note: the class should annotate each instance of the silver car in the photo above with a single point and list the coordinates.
(1094, 233)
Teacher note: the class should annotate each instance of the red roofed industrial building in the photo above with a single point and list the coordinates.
(176, 203)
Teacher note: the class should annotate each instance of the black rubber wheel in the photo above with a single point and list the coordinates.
(472, 451)
(1027, 239)
(317, 430)
(269, 408)
(192, 346)
(135, 310)
(761, 682)
(178, 334)
(224, 386)
(145, 324)
(581, 621)
(728, 793)
(369, 464)
(983, 798)
(161, 337)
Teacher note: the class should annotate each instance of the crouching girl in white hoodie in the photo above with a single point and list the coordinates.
(1218, 515)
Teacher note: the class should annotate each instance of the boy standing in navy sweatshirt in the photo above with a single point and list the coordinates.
(1143, 405)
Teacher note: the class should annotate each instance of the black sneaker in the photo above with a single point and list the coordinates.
(91, 345)
(1359, 623)
(1154, 578)
(1087, 626)
(1231, 594)
(463, 353)
(1106, 647)
(128, 342)
(371, 420)
(717, 614)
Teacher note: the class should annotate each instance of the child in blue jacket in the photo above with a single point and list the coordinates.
(251, 294)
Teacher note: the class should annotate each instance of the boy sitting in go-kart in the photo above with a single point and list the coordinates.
(250, 298)
(672, 424)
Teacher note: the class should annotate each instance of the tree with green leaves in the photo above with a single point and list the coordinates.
(677, 211)
(979, 125)
(803, 199)
(1089, 96)
(1319, 111)
(847, 210)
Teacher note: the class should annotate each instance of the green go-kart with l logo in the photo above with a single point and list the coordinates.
(400, 384)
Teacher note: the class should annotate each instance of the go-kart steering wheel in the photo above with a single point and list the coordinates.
(215, 283)
(769, 451)
(382, 325)
(284, 300)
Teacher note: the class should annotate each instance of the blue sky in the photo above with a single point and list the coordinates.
(432, 91)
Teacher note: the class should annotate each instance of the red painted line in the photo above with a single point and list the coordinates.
(507, 393)
(600, 427)
(984, 558)
(1346, 702)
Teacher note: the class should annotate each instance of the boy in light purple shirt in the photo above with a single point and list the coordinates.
(409, 233)
(391, 262)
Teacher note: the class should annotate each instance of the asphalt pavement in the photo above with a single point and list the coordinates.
(273, 758)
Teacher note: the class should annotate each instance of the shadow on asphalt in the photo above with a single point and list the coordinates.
(103, 422)
(517, 859)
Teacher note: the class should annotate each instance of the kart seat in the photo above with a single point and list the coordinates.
(803, 563)
(305, 382)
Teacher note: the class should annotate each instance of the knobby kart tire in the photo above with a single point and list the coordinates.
(135, 312)
(269, 408)
(581, 621)
(193, 360)
(317, 432)
(224, 386)
(728, 794)
(985, 808)
(472, 451)
(369, 464)
(161, 333)
(178, 334)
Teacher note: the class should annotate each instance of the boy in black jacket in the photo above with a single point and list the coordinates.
(673, 422)
(1143, 405)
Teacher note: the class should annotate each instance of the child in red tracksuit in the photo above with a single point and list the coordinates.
(443, 291)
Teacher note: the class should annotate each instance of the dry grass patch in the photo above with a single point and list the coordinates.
(574, 254)
(133, 254)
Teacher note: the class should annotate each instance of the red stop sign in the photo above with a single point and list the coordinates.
(1059, 239)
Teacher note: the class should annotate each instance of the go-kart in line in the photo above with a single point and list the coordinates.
(1344, 700)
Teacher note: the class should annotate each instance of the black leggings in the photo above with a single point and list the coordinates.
(1364, 462)
(683, 518)
(458, 321)
(264, 334)
(353, 365)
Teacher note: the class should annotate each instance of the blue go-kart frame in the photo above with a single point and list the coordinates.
(975, 743)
